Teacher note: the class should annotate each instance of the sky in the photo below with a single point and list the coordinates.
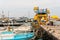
(20, 8)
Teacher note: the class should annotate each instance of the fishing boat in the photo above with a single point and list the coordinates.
(16, 33)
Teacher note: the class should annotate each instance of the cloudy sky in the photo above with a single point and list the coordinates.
(18, 8)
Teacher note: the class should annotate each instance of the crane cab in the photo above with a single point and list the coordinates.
(41, 15)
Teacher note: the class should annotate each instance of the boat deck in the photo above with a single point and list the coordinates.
(53, 30)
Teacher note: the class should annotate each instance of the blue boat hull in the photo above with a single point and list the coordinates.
(22, 36)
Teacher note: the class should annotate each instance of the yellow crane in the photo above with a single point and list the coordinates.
(41, 15)
(40, 18)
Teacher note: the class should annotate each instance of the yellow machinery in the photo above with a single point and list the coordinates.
(55, 17)
(41, 16)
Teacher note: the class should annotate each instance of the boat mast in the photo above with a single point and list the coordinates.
(2, 14)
